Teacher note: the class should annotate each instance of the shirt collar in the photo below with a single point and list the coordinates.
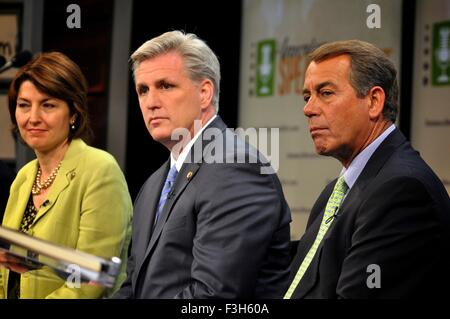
(352, 173)
(184, 153)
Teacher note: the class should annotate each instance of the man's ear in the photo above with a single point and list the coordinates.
(206, 93)
(376, 102)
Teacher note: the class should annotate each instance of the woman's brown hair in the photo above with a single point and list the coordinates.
(56, 75)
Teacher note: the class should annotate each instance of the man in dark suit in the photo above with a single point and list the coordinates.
(210, 223)
(381, 230)
(6, 179)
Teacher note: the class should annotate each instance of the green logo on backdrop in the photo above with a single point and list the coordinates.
(441, 53)
(265, 72)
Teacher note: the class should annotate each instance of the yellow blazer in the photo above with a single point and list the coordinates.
(88, 208)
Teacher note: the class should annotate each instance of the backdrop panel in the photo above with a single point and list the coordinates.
(430, 129)
(276, 36)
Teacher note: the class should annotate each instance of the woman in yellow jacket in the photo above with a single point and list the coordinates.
(73, 194)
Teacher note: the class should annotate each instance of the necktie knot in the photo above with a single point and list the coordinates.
(167, 188)
(341, 186)
(172, 175)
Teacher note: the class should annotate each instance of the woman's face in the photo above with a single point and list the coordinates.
(43, 121)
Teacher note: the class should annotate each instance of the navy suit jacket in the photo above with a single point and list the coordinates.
(395, 217)
(223, 233)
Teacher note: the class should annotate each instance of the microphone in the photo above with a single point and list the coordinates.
(2, 61)
(171, 194)
(335, 215)
(19, 60)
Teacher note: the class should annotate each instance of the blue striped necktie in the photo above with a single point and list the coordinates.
(168, 185)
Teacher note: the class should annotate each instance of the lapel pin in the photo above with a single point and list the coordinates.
(72, 175)
(189, 175)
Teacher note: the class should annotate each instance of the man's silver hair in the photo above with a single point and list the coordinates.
(200, 61)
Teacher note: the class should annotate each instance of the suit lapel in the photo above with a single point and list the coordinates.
(152, 195)
(147, 204)
(370, 171)
(376, 162)
(14, 220)
(61, 183)
(351, 202)
(310, 277)
(67, 173)
(186, 174)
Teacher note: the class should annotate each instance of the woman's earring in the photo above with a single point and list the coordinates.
(72, 125)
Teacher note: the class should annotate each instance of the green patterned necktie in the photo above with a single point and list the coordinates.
(333, 204)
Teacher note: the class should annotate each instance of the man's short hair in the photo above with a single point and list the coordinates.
(200, 61)
(369, 67)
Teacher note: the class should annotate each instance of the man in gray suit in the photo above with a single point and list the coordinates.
(210, 223)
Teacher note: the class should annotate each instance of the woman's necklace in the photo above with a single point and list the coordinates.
(38, 186)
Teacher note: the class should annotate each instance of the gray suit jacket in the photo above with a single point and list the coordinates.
(223, 232)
